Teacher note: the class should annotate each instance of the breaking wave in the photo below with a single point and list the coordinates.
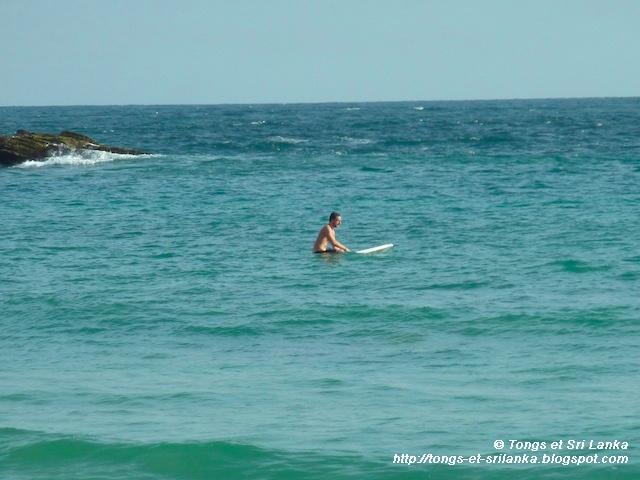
(80, 157)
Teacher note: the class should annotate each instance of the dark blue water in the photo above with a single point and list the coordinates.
(163, 316)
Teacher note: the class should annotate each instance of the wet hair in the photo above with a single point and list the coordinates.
(333, 216)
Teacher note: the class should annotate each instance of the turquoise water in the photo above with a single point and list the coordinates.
(163, 316)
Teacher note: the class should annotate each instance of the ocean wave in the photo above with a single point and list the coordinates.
(367, 168)
(35, 456)
(630, 275)
(393, 322)
(578, 266)
(567, 321)
(286, 140)
(223, 330)
(357, 141)
(80, 158)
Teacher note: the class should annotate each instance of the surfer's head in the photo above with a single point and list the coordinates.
(335, 219)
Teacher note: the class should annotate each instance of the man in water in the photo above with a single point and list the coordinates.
(327, 236)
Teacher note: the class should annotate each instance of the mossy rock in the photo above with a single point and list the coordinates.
(24, 145)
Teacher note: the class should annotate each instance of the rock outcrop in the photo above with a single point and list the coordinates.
(23, 146)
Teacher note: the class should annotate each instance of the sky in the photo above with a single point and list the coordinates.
(115, 52)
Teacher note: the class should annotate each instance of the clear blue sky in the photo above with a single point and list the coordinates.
(70, 52)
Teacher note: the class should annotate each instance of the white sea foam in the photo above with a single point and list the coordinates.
(357, 141)
(289, 140)
(352, 108)
(80, 157)
(418, 108)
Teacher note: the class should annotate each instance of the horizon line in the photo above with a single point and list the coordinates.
(318, 102)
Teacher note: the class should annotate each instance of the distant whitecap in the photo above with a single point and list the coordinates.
(357, 141)
(288, 140)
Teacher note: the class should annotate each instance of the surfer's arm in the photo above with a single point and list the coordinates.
(336, 244)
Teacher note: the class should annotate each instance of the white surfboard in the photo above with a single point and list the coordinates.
(379, 248)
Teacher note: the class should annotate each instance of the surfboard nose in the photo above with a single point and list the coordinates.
(378, 249)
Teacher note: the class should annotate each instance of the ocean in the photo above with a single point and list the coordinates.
(163, 316)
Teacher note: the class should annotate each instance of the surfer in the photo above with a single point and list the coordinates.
(327, 235)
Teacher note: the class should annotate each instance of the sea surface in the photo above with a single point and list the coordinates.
(163, 316)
